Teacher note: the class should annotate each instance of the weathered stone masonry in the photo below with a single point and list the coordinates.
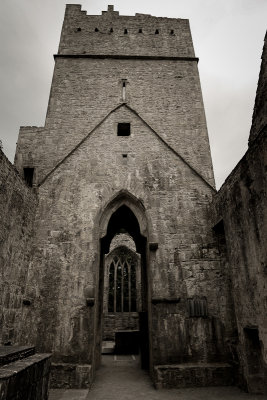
(156, 183)
(167, 166)
(17, 212)
(23, 374)
(239, 208)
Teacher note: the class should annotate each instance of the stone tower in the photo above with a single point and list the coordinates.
(125, 150)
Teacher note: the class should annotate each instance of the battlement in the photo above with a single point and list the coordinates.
(110, 11)
(114, 34)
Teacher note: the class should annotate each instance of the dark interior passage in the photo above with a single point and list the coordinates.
(123, 286)
(254, 360)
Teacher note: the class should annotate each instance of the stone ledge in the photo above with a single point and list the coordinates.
(193, 375)
(19, 366)
(126, 57)
(25, 379)
(9, 354)
(71, 376)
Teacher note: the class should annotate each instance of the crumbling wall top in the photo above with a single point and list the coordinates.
(120, 35)
(259, 118)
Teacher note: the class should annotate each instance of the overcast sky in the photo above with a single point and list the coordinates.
(227, 35)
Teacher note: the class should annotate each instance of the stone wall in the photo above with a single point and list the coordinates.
(118, 35)
(66, 248)
(193, 375)
(259, 119)
(29, 152)
(119, 322)
(241, 204)
(87, 87)
(85, 91)
(239, 212)
(17, 211)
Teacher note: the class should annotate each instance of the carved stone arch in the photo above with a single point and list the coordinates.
(120, 247)
(125, 213)
(124, 198)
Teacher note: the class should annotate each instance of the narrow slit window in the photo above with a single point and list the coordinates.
(119, 292)
(111, 30)
(28, 176)
(156, 32)
(124, 129)
(125, 31)
(123, 89)
(111, 302)
(140, 30)
(172, 32)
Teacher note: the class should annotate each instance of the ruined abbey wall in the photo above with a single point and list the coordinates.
(204, 263)
(66, 243)
(17, 211)
(241, 203)
(121, 35)
(81, 164)
(163, 87)
(241, 206)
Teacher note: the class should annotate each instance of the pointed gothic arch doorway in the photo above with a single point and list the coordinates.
(125, 214)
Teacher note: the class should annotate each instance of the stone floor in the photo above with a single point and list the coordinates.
(69, 394)
(120, 378)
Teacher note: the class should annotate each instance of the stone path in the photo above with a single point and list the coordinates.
(69, 394)
(120, 378)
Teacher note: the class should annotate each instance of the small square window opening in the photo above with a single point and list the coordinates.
(124, 129)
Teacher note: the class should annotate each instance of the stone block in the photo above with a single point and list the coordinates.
(26, 378)
(10, 354)
(193, 375)
(67, 375)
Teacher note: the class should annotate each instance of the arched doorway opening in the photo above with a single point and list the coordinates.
(125, 272)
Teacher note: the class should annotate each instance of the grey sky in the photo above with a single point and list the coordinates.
(228, 38)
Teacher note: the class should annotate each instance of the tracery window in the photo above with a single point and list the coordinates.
(122, 284)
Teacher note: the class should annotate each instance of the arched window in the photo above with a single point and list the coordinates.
(122, 284)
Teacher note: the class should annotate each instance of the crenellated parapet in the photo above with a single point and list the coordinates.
(141, 35)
